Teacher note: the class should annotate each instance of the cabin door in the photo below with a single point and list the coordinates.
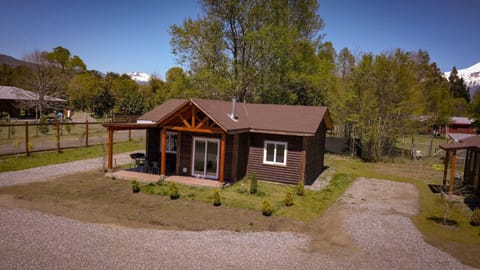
(205, 157)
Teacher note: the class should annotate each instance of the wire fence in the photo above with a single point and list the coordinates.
(25, 137)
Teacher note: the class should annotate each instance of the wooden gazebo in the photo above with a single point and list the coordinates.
(472, 162)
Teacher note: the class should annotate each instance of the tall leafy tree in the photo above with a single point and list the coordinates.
(248, 48)
(458, 89)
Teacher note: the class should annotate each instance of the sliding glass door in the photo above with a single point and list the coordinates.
(205, 157)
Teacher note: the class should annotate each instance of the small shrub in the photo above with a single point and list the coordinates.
(300, 188)
(216, 197)
(173, 191)
(68, 128)
(288, 197)
(253, 184)
(43, 127)
(476, 216)
(266, 208)
(135, 186)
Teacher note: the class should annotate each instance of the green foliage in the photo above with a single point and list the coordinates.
(476, 216)
(300, 188)
(216, 197)
(173, 191)
(135, 186)
(131, 103)
(253, 183)
(288, 197)
(267, 208)
(256, 51)
(43, 127)
(68, 128)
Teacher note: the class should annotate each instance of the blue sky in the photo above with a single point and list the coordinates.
(123, 36)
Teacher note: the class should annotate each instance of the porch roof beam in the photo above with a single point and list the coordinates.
(199, 130)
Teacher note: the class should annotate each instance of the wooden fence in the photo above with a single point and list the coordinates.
(27, 137)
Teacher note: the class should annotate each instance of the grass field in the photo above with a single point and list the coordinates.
(312, 204)
(15, 163)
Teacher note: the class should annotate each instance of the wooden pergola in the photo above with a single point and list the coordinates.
(453, 148)
(186, 119)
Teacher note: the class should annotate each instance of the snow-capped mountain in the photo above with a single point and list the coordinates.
(139, 77)
(471, 76)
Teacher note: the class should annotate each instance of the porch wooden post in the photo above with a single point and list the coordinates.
(27, 149)
(222, 157)
(58, 136)
(110, 149)
(164, 152)
(86, 133)
(452, 172)
(445, 169)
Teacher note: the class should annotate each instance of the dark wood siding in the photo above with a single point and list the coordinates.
(314, 155)
(186, 149)
(242, 155)
(153, 144)
(228, 158)
(290, 174)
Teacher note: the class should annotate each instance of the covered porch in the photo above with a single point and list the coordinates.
(471, 171)
(186, 142)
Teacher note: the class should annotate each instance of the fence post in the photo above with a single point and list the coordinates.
(27, 150)
(86, 133)
(129, 135)
(58, 136)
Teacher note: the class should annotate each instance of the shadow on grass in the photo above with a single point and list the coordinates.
(441, 221)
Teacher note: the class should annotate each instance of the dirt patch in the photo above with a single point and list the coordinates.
(91, 197)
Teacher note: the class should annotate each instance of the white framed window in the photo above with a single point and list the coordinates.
(275, 153)
(171, 142)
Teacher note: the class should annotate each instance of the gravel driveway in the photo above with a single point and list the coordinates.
(374, 213)
(48, 172)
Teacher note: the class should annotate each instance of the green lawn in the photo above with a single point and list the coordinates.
(308, 206)
(15, 163)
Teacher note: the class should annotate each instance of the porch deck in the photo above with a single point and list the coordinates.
(149, 178)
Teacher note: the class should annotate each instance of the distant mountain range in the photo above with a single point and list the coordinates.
(471, 76)
(139, 77)
(8, 60)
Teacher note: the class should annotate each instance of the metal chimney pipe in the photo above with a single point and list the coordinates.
(233, 115)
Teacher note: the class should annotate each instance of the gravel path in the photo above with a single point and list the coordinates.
(374, 213)
(48, 172)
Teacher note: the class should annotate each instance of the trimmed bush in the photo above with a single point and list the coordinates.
(253, 184)
(476, 216)
(135, 186)
(300, 188)
(288, 197)
(216, 197)
(267, 208)
(173, 191)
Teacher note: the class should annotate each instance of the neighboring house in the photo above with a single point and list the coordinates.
(461, 125)
(227, 141)
(472, 162)
(18, 102)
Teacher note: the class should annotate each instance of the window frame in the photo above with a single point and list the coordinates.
(170, 135)
(274, 162)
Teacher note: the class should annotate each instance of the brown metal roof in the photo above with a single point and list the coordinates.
(19, 94)
(470, 142)
(163, 111)
(262, 118)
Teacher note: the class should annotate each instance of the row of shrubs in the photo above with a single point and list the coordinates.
(267, 208)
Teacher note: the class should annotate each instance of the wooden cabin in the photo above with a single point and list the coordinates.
(227, 141)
